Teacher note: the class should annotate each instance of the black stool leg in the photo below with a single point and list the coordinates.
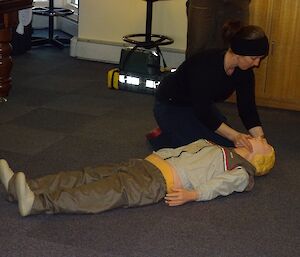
(53, 40)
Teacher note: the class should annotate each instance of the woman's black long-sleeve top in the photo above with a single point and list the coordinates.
(202, 81)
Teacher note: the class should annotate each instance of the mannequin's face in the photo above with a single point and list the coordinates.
(260, 146)
(248, 62)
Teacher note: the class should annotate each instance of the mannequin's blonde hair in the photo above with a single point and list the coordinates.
(263, 162)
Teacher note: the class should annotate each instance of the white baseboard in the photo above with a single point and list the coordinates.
(109, 52)
(67, 25)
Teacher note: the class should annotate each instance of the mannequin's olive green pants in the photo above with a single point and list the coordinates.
(93, 190)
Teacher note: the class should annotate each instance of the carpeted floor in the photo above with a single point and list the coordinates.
(61, 116)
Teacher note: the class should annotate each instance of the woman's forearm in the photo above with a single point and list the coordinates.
(257, 132)
(239, 139)
(227, 132)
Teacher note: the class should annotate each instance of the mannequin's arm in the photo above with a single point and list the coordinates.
(179, 196)
(236, 180)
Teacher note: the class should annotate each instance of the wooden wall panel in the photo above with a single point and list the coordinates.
(283, 75)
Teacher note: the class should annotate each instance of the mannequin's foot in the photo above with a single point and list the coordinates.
(5, 173)
(24, 194)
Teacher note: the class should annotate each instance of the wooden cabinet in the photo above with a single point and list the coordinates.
(8, 19)
(278, 77)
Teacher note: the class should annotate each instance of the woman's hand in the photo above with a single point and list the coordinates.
(239, 139)
(242, 140)
(180, 196)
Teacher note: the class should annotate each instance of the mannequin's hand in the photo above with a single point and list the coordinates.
(180, 196)
(241, 140)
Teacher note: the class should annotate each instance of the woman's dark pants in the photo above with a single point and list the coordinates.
(180, 126)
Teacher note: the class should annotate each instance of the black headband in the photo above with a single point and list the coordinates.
(250, 47)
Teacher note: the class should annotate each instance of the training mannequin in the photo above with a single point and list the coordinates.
(199, 171)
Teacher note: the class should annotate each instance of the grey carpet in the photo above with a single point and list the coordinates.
(60, 116)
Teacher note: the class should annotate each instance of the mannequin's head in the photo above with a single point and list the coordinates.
(262, 157)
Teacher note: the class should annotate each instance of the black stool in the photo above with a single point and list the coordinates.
(51, 12)
(150, 40)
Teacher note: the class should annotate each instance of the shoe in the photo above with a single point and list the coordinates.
(159, 141)
(24, 194)
(5, 173)
(153, 133)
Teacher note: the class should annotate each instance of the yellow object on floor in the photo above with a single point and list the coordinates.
(113, 78)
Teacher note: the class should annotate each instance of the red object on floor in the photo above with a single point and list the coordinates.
(153, 133)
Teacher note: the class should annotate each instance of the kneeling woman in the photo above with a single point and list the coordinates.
(185, 100)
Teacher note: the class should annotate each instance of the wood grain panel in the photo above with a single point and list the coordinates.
(260, 15)
(283, 73)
